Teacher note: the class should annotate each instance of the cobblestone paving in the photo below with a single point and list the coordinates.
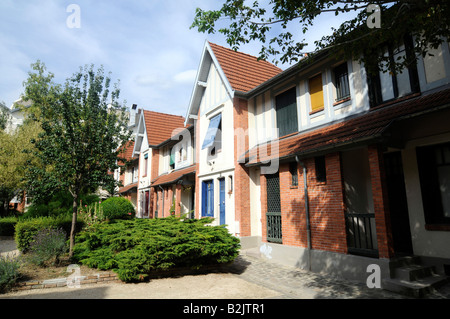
(295, 283)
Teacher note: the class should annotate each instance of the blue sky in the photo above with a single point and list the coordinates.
(147, 44)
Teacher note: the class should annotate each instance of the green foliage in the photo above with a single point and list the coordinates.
(9, 273)
(14, 159)
(47, 247)
(118, 208)
(7, 226)
(83, 126)
(27, 229)
(135, 248)
(60, 203)
(276, 26)
(5, 117)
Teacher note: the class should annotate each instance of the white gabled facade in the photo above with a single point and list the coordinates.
(212, 98)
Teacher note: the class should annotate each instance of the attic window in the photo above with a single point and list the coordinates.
(341, 82)
(286, 108)
(316, 93)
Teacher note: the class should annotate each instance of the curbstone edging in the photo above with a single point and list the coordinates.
(62, 282)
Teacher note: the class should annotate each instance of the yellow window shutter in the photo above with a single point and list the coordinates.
(316, 93)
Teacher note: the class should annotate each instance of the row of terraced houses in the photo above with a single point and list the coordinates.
(322, 166)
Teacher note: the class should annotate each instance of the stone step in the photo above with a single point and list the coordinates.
(417, 288)
(413, 272)
(403, 261)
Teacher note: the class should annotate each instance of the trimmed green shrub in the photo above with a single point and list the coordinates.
(47, 246)
(27, 229)
(135, 248)
(7, 226)
(118, 208)
(9, 273)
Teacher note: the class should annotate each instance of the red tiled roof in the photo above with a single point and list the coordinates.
(127, 188)
(174, 176)
(160, 126)
(126, 151)
(243, 71)
(363, 127)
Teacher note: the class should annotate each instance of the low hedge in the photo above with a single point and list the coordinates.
(26, 230)
(135, 248)
(7, 225)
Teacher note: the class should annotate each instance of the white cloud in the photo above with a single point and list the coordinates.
(146, 44)
(186, 77)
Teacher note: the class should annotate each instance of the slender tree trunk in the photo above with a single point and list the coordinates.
(74, 222)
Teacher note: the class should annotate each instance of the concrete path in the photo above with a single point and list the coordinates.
(247, 278)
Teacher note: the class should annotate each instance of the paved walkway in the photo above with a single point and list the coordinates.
(247, 278)
(296, 283)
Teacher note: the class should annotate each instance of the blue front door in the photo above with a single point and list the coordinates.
(222, 200)
(208, 199)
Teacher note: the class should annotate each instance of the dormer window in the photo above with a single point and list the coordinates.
(341, 82)
(388, 85)
(316, 93)
(286, 108)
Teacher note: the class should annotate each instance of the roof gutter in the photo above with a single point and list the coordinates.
(303, 65)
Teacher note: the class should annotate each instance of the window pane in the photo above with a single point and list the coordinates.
(212, 131)
(286, 107)
(316, 93)
(273, 193)
(341, 82)
(294, 174)
(321, 172)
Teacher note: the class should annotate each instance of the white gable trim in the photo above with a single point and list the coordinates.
(207, 59)
(140, 137)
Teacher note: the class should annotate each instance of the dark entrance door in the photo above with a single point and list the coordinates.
(398, 206)
(147, 203)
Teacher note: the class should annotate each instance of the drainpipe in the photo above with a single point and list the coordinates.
(162, 196)
(308, 224)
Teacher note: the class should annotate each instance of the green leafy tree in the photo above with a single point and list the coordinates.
(4, 117)
(14, 159)
(426, 20)
(83, 125)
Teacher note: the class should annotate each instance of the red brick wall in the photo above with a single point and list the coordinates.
(328, 230)
(164, 201)
(326, 205)
(380, 202)
(241, 173)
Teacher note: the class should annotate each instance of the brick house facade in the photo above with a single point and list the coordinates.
(343, 215)
(314, 166)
